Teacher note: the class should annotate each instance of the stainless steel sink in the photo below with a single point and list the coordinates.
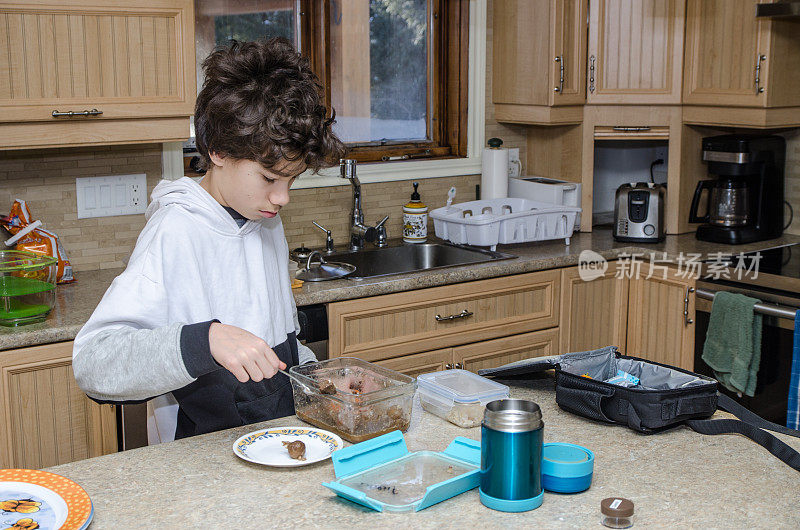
(399, 258)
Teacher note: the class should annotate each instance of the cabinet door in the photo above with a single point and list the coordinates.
(527, 38)
(660, 319)
(521, 43)
(635, 51)
(724, 43)
(124, 61)
(382, 327)
(45, 419)
(569, 47)
(594, 313)
(494, 353)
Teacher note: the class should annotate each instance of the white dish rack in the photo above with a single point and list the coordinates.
(492, 222)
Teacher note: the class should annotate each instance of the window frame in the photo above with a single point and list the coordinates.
(466, 100)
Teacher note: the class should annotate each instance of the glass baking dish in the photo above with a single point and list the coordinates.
(370, 400)
(27, 287)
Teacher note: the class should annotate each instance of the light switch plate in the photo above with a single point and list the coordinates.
(112, 195)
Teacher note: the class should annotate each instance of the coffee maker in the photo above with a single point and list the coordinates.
(745, 201)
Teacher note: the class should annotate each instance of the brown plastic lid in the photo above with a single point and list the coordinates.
(616, 507)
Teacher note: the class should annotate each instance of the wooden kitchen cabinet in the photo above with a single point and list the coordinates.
(539, 66)
(420, 363)
(635, 51)
(661, 318)
(393, 325)
(497, 352)
(734, 59)
(45, 419)
(134, 64)
(594, 313)
(473, 357)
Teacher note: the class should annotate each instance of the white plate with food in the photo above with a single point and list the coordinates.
(287, 446)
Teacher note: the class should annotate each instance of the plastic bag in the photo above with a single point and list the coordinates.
(28, 235)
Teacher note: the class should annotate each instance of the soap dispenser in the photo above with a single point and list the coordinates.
(415, 219)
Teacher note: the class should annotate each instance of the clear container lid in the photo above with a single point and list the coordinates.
(462, 386)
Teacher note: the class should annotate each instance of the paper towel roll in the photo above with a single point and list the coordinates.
(494, 177)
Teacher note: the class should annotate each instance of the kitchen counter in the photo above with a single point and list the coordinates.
(76, 302)
(676, 479)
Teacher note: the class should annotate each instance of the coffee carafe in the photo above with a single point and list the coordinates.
(728, 202)
(744, 203)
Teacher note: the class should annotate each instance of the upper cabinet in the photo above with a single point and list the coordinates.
(635, 51)
(734, 59)
(78, 72)
(539, 60)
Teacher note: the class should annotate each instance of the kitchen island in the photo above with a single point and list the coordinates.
(676, 479)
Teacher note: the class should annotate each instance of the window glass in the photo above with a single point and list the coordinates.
(380, 69)
(218, 21)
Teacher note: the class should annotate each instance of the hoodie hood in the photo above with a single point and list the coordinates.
(187, 194)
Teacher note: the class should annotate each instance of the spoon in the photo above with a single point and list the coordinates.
(323, 386)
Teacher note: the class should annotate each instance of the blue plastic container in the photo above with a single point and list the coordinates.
(566, 468)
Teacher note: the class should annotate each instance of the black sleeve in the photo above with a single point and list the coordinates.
(196, 350)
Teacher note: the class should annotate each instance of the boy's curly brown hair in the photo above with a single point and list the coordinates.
(261, 101)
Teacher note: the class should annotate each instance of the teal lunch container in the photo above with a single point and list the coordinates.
(511, 455)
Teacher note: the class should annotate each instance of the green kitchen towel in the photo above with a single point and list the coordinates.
(733, 341)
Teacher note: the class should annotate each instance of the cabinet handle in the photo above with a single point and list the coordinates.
(460, 366)
(463, 314)
(686, 319)
(630, 129)
(560, 87)
(759, 88)
(93, 112)
(448, 366)
(591, 74)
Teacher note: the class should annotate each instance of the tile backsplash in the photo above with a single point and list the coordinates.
(46, 180)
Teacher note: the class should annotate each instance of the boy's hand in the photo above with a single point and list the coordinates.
(242, 353)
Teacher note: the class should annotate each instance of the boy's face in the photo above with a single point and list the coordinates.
(249, 188)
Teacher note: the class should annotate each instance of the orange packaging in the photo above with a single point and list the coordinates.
(37, 239)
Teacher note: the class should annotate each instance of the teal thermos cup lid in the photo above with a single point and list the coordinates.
(566, 468)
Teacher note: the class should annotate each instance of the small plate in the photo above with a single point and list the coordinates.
(266, 446)
(29, 497)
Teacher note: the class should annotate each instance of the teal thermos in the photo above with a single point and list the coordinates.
(511, 455)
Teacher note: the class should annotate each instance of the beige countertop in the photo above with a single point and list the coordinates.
(676, 479)
(76, 302)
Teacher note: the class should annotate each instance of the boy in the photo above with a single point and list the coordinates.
(204, 308)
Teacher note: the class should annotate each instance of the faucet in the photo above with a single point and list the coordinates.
(359, 232)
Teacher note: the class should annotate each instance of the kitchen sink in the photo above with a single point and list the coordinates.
(399, 258)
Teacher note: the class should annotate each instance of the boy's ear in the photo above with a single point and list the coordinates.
(216, 159)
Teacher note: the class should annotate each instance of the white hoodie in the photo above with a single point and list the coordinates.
(192, 263)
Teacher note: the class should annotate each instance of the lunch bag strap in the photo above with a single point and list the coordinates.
(752, 426)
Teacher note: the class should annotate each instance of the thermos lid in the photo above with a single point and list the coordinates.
(512, 415)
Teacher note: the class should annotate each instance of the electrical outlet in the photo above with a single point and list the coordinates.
(514, 165)
(112, 195)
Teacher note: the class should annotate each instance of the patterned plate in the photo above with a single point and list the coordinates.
(266, 446)
(32, 499)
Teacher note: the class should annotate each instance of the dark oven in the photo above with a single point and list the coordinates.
(778, 288)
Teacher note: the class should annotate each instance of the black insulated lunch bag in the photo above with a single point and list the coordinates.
(646, 396)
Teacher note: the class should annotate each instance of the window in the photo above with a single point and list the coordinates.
(395, 71)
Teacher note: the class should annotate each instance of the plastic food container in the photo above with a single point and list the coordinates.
(458, 396)
(566, 468)
(370, 400)
(27, 287)
(383, 475)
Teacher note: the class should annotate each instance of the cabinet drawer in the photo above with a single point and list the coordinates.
(398, 324)
(420, 363)
(497, 352)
